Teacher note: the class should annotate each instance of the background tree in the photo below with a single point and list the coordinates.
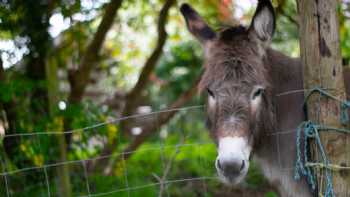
(79, 66)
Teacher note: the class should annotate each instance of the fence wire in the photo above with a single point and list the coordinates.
(162, 179)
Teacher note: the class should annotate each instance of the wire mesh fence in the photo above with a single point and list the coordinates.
(177, 160)
(176, 156)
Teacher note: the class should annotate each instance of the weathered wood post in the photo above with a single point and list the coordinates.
(322, 64)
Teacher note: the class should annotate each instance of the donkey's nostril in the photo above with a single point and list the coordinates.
(243, 165)
(219, 165)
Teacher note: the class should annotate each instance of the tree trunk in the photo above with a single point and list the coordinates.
(62, 170)
(321, 59)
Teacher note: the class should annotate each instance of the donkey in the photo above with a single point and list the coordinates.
(244, 79)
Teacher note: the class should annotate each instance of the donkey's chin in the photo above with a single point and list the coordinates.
(232, 179)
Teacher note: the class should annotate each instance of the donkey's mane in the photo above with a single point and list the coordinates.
(231, 71)
(227, 34)
(233, 65)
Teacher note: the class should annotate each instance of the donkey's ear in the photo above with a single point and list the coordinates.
(264, 22)
(196, 25)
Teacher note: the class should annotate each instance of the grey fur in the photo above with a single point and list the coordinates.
(236, 62)
(233, 68)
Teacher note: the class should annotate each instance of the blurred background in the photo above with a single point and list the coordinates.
(99, 98)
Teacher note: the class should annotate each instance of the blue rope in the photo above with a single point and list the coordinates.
(344, 116)
(344, 105)
(311, 131)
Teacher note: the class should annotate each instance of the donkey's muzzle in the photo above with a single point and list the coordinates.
(231, 168)
(232, 162)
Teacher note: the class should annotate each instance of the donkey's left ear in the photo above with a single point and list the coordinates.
(196, 24)
(264, 22)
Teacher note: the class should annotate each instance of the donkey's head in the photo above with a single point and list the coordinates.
(237, 81)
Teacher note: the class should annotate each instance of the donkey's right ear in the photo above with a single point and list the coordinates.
(196, 25)
(264, 21)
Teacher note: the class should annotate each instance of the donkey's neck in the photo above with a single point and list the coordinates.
(277, 152)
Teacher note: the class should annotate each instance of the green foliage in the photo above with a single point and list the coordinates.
(183, 141)
(344, 32)
(255, 177)
(286, 36)
(178, 70)
(271, 194)
(68, 8)
(18, 88)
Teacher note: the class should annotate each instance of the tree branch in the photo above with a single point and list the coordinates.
(163, 178)
(79, 79)
(280, 11)
(151, 127)
(132, 97)
(290, 18)
(280, 6)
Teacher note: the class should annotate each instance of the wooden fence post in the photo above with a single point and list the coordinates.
(322, 64)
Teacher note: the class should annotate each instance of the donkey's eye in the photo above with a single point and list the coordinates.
(257, 93)
(210, 92)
